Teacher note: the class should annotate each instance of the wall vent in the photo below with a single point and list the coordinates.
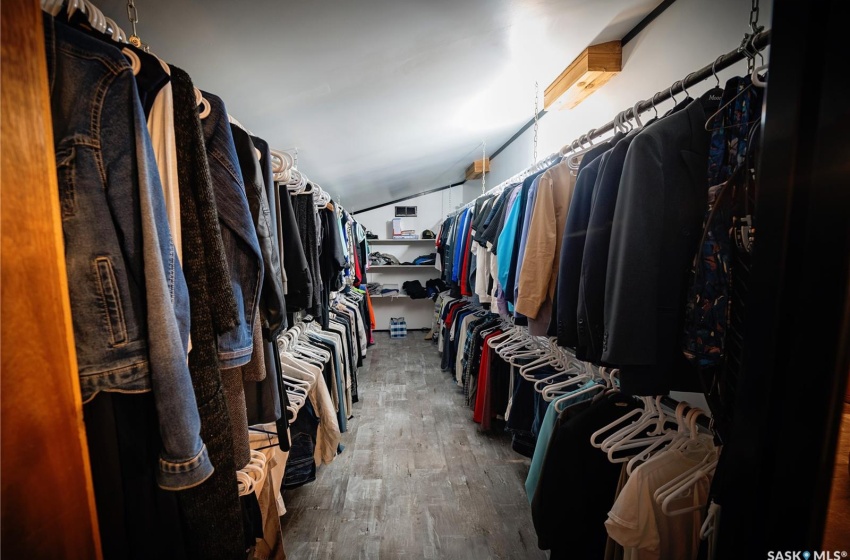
(405, 211)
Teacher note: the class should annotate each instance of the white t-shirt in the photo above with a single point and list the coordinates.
(637, 522)
(161, 130)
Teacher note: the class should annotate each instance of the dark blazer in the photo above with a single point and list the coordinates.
(594, 264)
(298, 290)
(272, 301)
(564, 318)
(657, 223)
(572, 249)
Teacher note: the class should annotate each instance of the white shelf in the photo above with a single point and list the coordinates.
(399, 241)
(375, 267)
(399, 296)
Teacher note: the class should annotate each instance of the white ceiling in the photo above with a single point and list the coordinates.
(382, 98)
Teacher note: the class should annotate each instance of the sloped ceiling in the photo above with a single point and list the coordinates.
(382, 98)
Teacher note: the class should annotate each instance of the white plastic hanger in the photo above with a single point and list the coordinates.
(52, 7)
(299, 369)
(499, 339)
(554, 357)
(523, 349)
(635, 438)
(756, 79)
(697, 442)
(117, 33)
(555, 390)
(684, 488)
(561, 402)
(516, 335)
(648, 416)
(203, 103)
(304, 347)
(637, 412)
(666, 438)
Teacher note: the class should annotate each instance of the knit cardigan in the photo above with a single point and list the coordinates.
(211, 511)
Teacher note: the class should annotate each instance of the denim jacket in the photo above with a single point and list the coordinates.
(129, 301)
(241, 247)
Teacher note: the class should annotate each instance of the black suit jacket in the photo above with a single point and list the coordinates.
(572, 245)
(657, 223)
(594, 263)
(572, 248)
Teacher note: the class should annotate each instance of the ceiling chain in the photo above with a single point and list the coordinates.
(536, 118)
(484, 167)
(133, 16)
(754, 17)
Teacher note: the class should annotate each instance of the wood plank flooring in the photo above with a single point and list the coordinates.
(417, 478)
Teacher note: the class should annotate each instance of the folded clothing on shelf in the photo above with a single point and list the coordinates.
(414, 289)
(382, 259)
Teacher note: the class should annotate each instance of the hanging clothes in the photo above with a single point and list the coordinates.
(127, 351)
(540, 266)
(212, 511)
(570, 518)
(272, 305)
(572, 246)
(594, 264)
(308, 231)
(244, 261)
(661, 202)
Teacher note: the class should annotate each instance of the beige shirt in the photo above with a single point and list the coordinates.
(328, 435)
(637, 522)
(539, 273)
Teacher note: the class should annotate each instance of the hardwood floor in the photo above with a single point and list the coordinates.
(417, 478)
(837, 532)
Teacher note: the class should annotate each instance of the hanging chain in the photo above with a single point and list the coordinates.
(536, 119)
(133, 16)
(484, 168)
(754, 17)
(295, 163)
(747, 45)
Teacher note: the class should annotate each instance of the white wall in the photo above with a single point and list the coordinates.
(431, 209)
(690, 34)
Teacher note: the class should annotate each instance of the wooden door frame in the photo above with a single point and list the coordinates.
(781, 453)
(48, 507)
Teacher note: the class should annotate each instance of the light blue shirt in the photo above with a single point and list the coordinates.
(507, 238)
(505, 246)
(523, 236)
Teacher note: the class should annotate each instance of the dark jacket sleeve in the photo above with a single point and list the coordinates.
(634, 259)
(660, 206)
(272, 304)
(572, 248)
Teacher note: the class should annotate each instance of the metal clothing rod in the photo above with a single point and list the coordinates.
(749, 47)
(758, 42)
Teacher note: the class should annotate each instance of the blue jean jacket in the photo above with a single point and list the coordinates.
(241, 246)
(129, 301)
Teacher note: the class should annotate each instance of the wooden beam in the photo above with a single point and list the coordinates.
(477, 169)
(48, 506)
(588, 72)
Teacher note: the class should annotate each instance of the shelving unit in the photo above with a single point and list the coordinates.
(401, 241)
(402, 267)
(417, 315)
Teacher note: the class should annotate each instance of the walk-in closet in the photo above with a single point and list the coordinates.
(396, 279)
